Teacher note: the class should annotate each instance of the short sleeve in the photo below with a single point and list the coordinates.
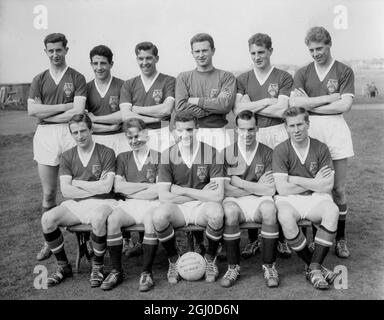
(280, 160)
(120, 164)
(347, 82)
(108, 160)
(80, 85)
(34, 90)
(325, 158)
(169, 90)
(65, 165)
(268, 159)
(165, 173)
(125, 93)
(217, 168)
(240, 85)
(286, 85)
(298, 80)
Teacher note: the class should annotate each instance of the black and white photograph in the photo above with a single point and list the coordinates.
(191, 150)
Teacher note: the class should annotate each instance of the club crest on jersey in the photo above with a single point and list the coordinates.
(151, 175)
(214, 93)
(259, 170)
(68, 89)
(157, 95)
(96, 170)
(273, 90)
(313, 168)
(113, 103)
(202, 172)
(332, 85)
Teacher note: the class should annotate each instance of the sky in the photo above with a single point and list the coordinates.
(356, 27)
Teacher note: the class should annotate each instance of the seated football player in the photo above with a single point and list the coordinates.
(248, 198)
(136, 173)
(191, 189)
(86, 174)
(304, 177)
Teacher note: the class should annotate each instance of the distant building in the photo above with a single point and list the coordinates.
(14, 95)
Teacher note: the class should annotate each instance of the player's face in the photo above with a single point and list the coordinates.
(56, 53)
(320, 52)
(247, 130)
(297, 128)
(184, 132)
(101, 67)
(81, 134)
(147, 62)
(261, 56)
(203, 53)
(136, 138)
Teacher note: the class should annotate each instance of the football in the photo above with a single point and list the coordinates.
(191, 266)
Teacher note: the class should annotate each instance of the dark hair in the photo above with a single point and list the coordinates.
(103, 51)
(55, 37)
(134, 123)
(260, 39)
(246, 115)
(80, 117)
(295, 111)
(201, 37)
(146, 46)
(318, 34)
(185, 116)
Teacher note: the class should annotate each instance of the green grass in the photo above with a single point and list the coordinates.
(20, 236)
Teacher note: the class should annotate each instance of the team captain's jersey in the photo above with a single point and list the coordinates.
(127, 167)
(289, 162)
(101, 162)
(236, 165)
(103, 103)
(207, 165)
(339, 79)
(134, 92)
(216, 90)
(278, 83)
(44, 87)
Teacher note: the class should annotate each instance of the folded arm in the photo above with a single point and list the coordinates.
(215, 194)
(78, 108)
(104, 185)
(41, 111)
(285, 187)
(243, 102)
(127, 113)
(342, 105)
(158, 111)
(232, 191)
(70, 191)
(113, 118)
(166, 195)
(265, 187)
(98, 127)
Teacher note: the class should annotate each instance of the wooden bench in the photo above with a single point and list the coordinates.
(82, 232)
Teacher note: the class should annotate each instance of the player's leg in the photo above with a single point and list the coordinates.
(50, 221)
(233, 216)
(166, 217)
(339, 196)
(266, 213)
(48, 179)
(99, 242)
(211, 215)
(253, 245)
(116, 220)
(150, 244)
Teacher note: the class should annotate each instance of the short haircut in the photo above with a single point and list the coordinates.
(55, 37)
(261, 39)
(201, 37)
(134, 123)
(80, 117)
(103, 51)
(318, 34)
(146, 46)
(295, 111)
(246, 115)
(185, 116)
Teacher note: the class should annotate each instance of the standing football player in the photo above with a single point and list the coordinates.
(150, 97)
(265, 91)
(54, 97)
(191, 189)
(303, 172)
(87, 173)
(326, 89)
(136, 173)
(248, 198)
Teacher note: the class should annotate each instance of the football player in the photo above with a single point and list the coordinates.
(209, 94)
(303, 172)
(136, 173)
(265, 91)
(325, 88)
(87, 172)
(150, 97)
(191, 189)
(248, 198)
(54, 97)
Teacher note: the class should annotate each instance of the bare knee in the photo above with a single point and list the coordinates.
(160, 217)
(231, 214)
(330, 217)
(114, 224)
(49, 220)
(339, 193)
(268, 212)
(215, 214)
(99, 221)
